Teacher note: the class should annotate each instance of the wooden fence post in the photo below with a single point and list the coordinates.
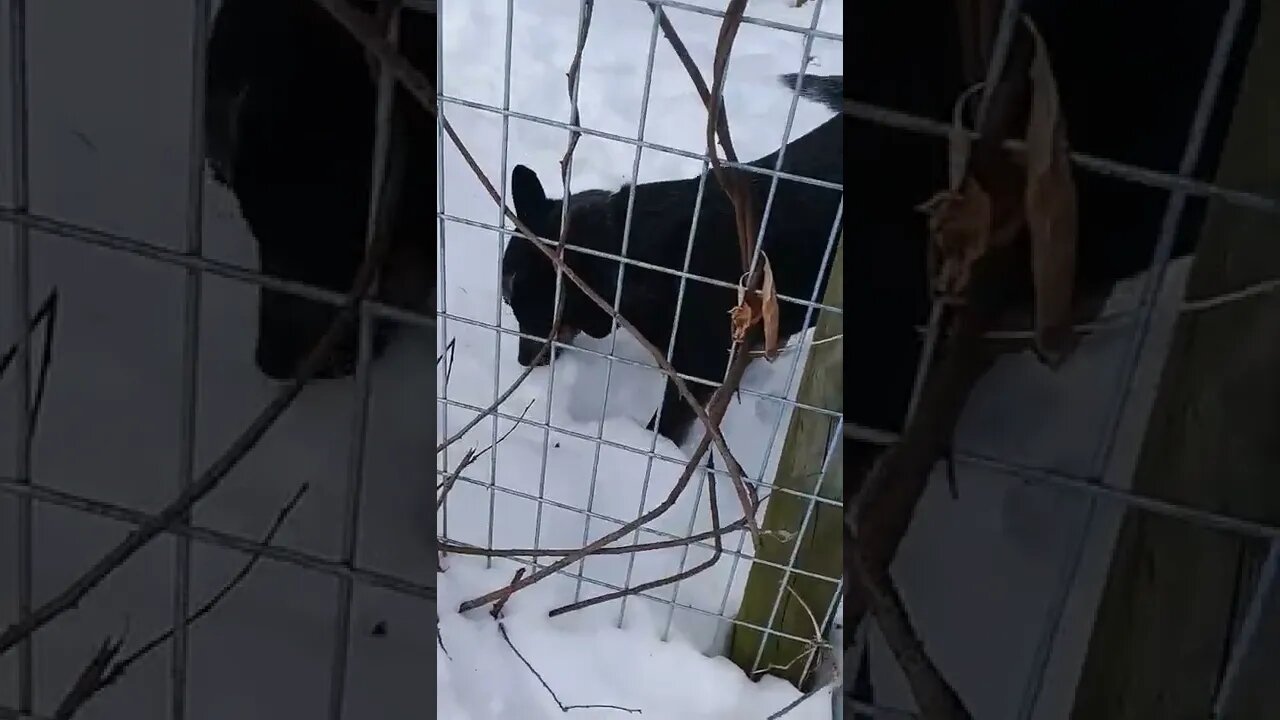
(808, 440)
(1173, 593)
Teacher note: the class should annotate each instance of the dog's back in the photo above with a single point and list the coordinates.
(290, 129)
(795, 238)
(686, 314)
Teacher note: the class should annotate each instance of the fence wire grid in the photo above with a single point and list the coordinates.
(1181, 185)
(22, 221)
(502, 229)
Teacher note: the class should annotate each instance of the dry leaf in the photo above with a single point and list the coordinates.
(769, 313)
(761, 306)
(742, 317)
(960, 224)
(1051, 213)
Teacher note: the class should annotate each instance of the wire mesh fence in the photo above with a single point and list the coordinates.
(23, 223)
(490, 490)
(1093, 484)
(26, 228)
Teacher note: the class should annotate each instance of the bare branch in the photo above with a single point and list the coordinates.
(422, 89)
(89, 679)
(502, 630)
(496, 611)
(96, 676)
(173, 514)
(677, 577)
(936, 699)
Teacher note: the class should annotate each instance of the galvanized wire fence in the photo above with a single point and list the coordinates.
(22, 222)
(502, 231)
(1181, 185)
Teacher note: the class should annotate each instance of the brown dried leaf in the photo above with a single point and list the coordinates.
(769, 313)
(1051, 212)
(960, 223)
(760, 306)
(742, 317)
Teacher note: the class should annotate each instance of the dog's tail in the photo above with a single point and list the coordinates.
(825, 89)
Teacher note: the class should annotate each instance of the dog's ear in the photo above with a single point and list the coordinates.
(528, 196)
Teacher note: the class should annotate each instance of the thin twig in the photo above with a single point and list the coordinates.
(796, 346)
(461, 549)
(734, 184)
(496, 611)
(682, 52)
(573, 78)
(471, 456)
(670, 579)
(423, 90)
(81, 694)
(563, 708)
(575, 68)
(800, 700)
(448, 353)
(444, 487)
(487, 412)
(193, 493)
(719, 403)
(89, 679)
(47, 312)
(935, 697)
(817, 644)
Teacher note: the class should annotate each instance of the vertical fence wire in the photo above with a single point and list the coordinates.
(809, 35)
(1263, 598)
(442, 282)
(1125, 379)
(20, 312)
(380, 220)
(508, 32)
(613, 343)
(189, 393)
(704, 478)
(758, 254)
(561, 289)
(836, 437)
(995, 68)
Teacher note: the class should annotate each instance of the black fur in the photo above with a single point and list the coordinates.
(795, 240)
(824, 89)
(289, 129)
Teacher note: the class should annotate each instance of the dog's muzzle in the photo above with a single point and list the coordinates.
(531, 347)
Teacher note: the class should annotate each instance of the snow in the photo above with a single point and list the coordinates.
(108, 142)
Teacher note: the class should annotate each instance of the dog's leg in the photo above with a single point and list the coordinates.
(674, 417)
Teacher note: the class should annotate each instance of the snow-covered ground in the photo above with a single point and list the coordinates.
(108, 149)
(617, 481)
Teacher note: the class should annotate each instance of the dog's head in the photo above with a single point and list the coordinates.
(529, 277)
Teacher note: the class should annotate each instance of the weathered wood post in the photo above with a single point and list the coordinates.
(804, 457)
(1173, 595)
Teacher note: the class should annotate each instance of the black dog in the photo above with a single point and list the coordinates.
(795, 240)
(290, 108)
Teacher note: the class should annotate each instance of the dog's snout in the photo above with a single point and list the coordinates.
(530, 353)
(290, 328)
